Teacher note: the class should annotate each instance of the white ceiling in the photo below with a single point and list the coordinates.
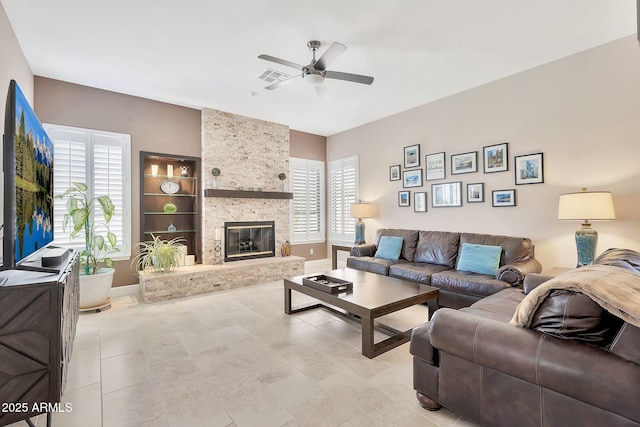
(204, 53)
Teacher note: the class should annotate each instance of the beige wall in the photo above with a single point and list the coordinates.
(314, 147)
(582, 112)
(13, 66)
(153, 126)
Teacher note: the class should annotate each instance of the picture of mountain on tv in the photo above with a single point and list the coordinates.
(33, 154)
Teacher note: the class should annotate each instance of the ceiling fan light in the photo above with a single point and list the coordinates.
(314, 79)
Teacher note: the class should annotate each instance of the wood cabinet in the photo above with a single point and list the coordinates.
(170, 199)
(38, 317)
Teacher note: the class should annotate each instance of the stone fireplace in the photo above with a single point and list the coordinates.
(248, 240)
(250, 154)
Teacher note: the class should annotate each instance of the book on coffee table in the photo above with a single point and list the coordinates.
(327, 284)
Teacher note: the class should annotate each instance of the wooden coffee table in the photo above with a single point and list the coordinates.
(372, 296)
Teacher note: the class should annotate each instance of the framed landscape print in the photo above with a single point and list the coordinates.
(403, 199)
(394, 173)
(412, 178)
(464, 163)
(446, 195)
(503, 198)
(435, 166)
(420, 202)
(412, 156)
(496, 158)
(475, 193)
(529, 169)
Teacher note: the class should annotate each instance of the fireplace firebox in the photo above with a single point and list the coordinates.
(249, 239)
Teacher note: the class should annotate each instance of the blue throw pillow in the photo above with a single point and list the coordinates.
(389, 247)
(481, 259)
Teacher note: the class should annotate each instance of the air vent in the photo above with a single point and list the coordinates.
(273, 76)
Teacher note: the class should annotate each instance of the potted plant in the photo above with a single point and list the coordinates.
(216, 173)
(282, 176)
(99, 243)
(157, 255)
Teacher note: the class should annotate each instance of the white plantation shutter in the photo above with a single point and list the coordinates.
(307, 219)
(343, 191)
(101, 160)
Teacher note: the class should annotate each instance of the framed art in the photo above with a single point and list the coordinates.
(464, 163)
(447, 194)
(412, 156)
(475, 193)
(529, 169)
(435, 166)
(420, 202)
(403, 199)
(496, 158)
(394, 173)
(503, 198)
(412, 178)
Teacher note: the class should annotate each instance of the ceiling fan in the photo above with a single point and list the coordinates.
(316, 72)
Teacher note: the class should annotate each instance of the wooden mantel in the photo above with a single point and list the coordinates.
(243, 194)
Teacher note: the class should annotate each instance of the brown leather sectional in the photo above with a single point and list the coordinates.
(496, 374)
(430, 258)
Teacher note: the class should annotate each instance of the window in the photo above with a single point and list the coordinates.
(343, 191)
(307, 218)
(102, 161)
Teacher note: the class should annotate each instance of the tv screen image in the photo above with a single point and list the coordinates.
(31, 151)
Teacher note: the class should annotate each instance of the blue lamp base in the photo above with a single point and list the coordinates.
(586, 242)
(359, 232)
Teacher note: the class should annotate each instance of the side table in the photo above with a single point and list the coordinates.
(334, 254)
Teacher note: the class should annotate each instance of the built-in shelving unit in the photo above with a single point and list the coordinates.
(171, 210)
(244, 194)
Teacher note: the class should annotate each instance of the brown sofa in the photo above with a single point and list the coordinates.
(577, 365)
(430, 257)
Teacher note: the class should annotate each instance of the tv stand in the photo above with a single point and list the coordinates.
(39, 312)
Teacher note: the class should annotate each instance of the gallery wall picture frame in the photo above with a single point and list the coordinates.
(394, 173)
(404, 198)
(447, 194)
(502, 198)
(529, 169)
(435, 166)
(412, 178)
(412, 156)
(475, 192)
(464, 163)
(420, 201)
(496, 158)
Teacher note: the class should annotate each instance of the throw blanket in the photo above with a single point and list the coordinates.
(615, 289)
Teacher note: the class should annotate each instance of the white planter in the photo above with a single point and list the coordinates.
(95, 289)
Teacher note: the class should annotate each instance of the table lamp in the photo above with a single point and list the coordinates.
(586, 206)
(360, 210)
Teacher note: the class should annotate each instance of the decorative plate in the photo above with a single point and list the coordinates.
(170, 208)
(169, 187)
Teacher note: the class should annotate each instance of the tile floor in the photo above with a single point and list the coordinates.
(233, 358)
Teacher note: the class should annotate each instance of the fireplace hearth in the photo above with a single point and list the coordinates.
(249, 239)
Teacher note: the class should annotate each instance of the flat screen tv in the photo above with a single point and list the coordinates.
(28, 181)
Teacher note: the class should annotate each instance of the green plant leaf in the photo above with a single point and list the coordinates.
(108, 208)
(98, 241)
(111, 237)
(79, 218)
(108, 262)
(81, 186)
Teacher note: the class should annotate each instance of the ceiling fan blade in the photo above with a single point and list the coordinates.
(356, 78)
(280, 61)
(276, 85)
(322, 90)
(335, 50)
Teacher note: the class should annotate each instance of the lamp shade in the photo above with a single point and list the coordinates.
(361, 210)
(586, 205)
